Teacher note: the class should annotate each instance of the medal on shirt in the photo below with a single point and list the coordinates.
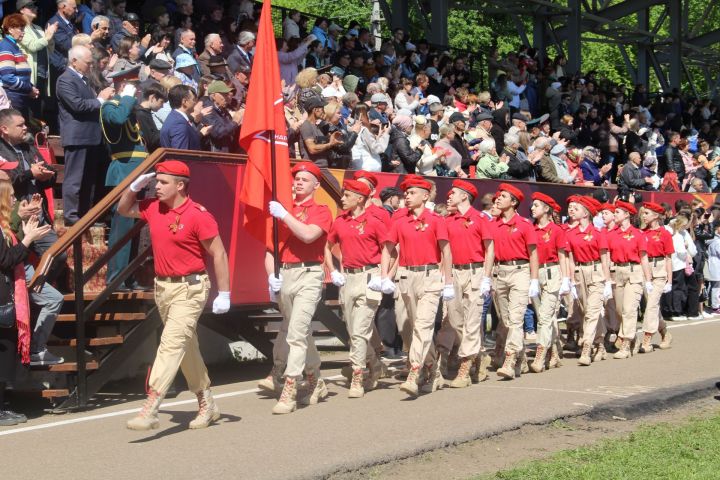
(628, 236)
(174, 227)
(468, 222)
(588, 237)
(361, 227)
(302, 215)
(421, 226)
(546, 236)
(657, 236)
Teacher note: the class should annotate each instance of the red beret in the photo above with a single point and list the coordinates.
(356, 187)
(173, 167)
(590, 204)
(367, 176)
(546, 199)
(607, 206)
(628, 207)
(514, 191)
(466, 187)
(307, 167)
(655, 207)
(416, 181)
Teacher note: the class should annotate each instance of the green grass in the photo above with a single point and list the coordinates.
(687, 451)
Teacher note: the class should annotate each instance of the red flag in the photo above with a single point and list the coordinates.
(264, 112)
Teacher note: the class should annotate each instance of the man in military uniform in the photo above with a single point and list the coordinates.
(127, 150)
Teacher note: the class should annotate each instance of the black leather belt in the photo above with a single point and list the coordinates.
(469, 266)
(421, 268)
(515, 262)
(192, 279)
(626, 264)
(584, 264)
(549, 264)
(659, 257)
(300, 264)
(360, 269)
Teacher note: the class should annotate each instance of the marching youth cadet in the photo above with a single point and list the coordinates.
(122, 134)
(360, 237)
(628, 252)
(574, 316)
(425, 275)
(470, 236)
(299, 286)
(372, 182)
(516, 261)
(553, 277)
(612, 321)
(659, 250)
(589, 260)
(181, 232)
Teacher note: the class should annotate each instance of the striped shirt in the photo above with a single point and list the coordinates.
(15, 72)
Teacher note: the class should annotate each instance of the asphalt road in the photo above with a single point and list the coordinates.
(342, 434)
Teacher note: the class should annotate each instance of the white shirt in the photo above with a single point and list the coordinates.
(684, 249)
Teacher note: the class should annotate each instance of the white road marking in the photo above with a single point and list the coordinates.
(129, 411)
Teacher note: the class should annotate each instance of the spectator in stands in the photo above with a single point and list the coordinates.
(490, 165)
(241, 58)
(158, 69)
(13, 289)
(161, 115)
(97, 76)
(592, 170)
(290, 58)
(15, 72)
(213, 47)
(37, 45)
(340, 155)
(185, 70)
(291, 29)
(88, 12)
(320, 31)
(128, 55)
(116, 14)
(631, 178)
(372, 142)
(129, 28)
(64, 18)
(459, 122)
(179, 130)
(160, 48)
(223, 136)
(404, 156)
(80, 133)
(154, 97)
(100, 34)
(553, 166)
(673, 159)
(315, 144)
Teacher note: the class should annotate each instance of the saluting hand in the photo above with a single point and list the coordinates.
(141, 182)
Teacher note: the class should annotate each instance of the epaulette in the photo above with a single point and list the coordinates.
(114, 102)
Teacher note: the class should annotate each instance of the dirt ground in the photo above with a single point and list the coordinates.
(531, 442)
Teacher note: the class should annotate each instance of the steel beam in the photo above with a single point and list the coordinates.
(401, 14)
(438, 22)
(539, 35)
(643, 62)
(609, 15)
(574, 60)
(706, 39)
(676, 33)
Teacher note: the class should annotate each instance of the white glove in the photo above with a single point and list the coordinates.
(534, 290)
(128, 90)
(141, 182)
(387, 286)
(448, 292)
(277, 210)
(667, 287)
(485, 286)
(375, 284)
(274, 282)
(607, 291)
(222, 302)
(564, 286)
(648, 287)
(573, 291)
(338, 279)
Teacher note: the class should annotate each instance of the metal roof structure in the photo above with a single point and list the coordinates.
(566, 24)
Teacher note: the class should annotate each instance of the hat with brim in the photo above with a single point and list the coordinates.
(159, 64)
(217, 61)
(538, 121)
(218, 86)
(314, 102)
(125, 75)
(20, 4)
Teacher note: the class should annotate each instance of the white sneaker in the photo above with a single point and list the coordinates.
(699, 317)
(707, 315)
(678, 319)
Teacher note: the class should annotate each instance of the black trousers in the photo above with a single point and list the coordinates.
(85, 168)
(386, 324)
(693, 295)
(673, 302)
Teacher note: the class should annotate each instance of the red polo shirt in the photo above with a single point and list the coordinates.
(550, 239)
(512, 238)
(586, 245)
(467, 233)
(418, 237)
(176, 235)
(625, 246)
(360, 239)
(659, 242)
(379, 213)
(295, 250)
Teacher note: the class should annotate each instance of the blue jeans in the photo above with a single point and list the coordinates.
(529, 320)
(50, 302)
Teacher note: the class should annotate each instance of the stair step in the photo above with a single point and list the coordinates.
(54, 393)
(68, 367)
(105, 317)
(136, 295)
(90, 342)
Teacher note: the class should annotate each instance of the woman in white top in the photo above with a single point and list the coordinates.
(368, 146)
(405, 99)
(419, 138)
(674, 302)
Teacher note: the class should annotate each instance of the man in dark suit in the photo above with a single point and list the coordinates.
(79, 116)
(240, 58)
(65, 17)
(179, 130)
